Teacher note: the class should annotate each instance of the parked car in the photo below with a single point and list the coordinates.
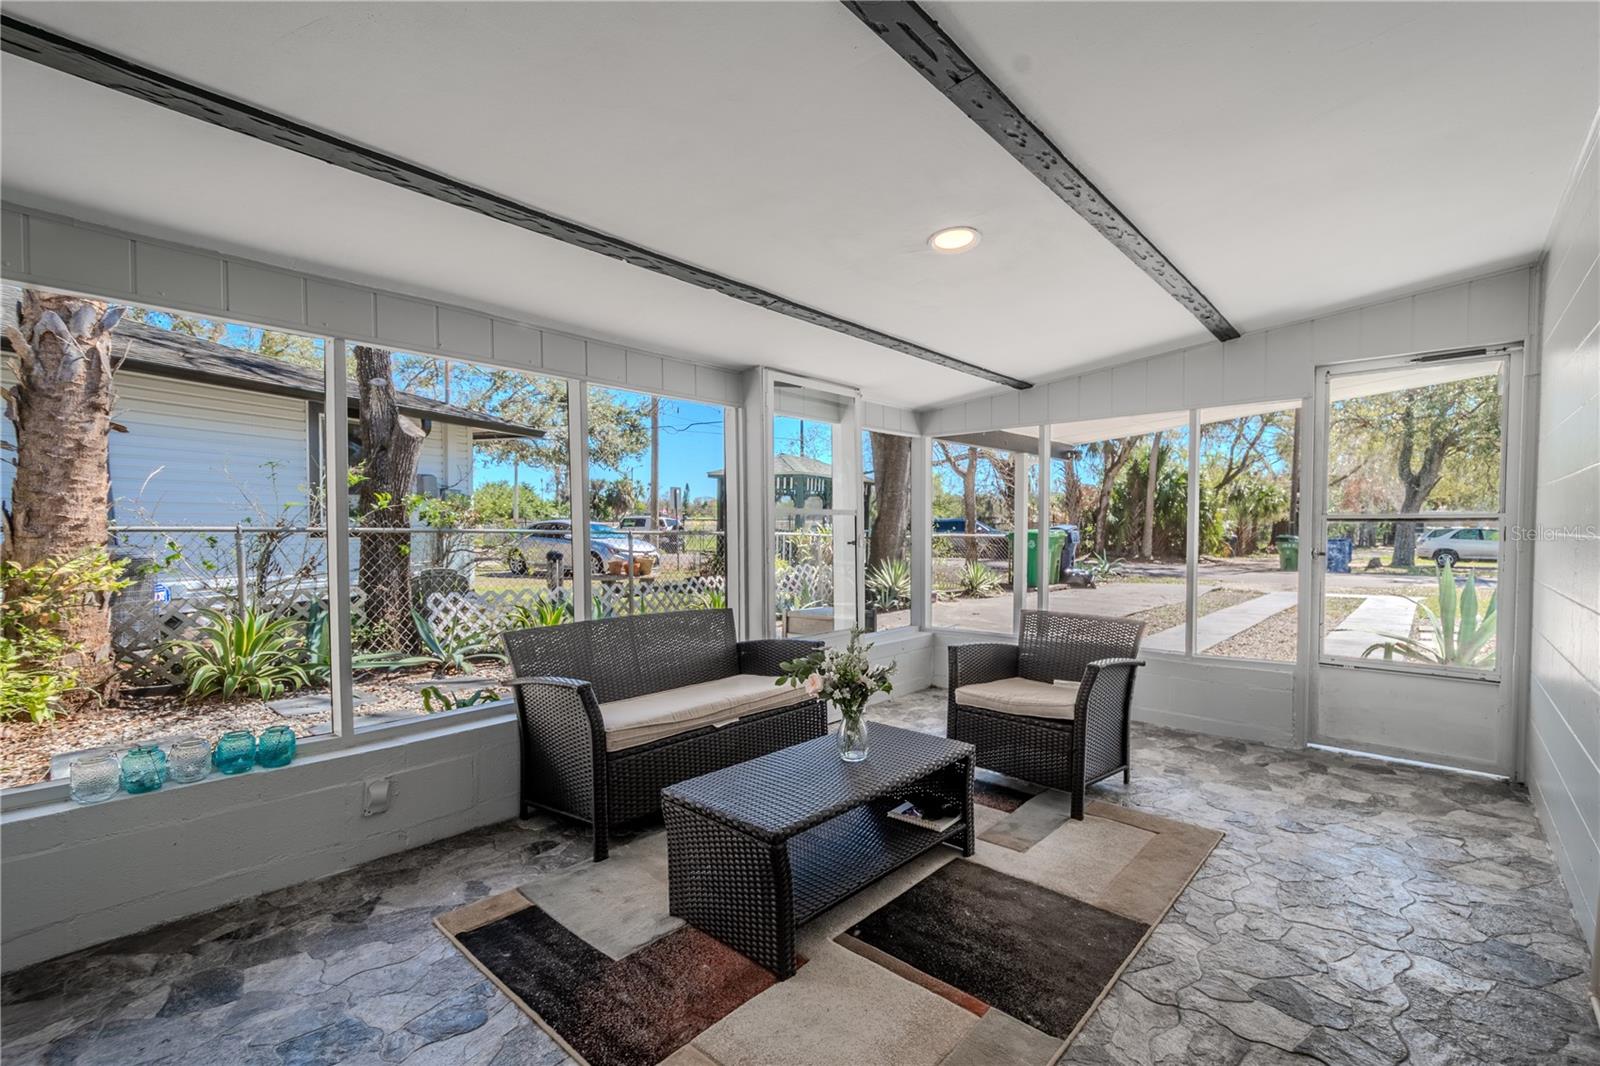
(608, 549)
(670, 536)
(1451, 544)
(959, 525)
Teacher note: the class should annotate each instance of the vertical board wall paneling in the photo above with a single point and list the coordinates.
(1563, 745)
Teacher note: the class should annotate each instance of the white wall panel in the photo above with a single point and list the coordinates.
(171, 275)
(407, 323)
(261, 294)
(101, 261)
(1129, 394)
(1386, 328)
(607, 362)
(13, 242)
(1563, 747)
(1202, 375)
(644, 371)
(465, 334)
(81, 258)
(1440, 319)
(1063, 404)
(518, 345)
(1244, 367)
(342, 310)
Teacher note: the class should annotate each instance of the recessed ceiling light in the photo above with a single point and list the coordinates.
(954, 239)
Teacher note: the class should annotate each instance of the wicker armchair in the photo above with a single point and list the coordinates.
(1037, 731)
(567, 674)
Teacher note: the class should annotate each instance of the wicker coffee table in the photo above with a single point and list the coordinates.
(756, 849)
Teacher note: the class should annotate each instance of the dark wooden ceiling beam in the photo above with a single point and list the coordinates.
(80, 60)
(917, 38)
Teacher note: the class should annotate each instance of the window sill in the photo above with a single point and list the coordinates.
(57, 795)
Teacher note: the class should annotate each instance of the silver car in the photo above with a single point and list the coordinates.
(609, 549)
(1451, 544)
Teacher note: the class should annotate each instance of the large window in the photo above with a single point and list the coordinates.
(460, 526)
(186, 504)
(817, 498)
(975, 499)
(886, 469)
(1119, 502)
(1415, 516)
(657, 507)
(1250, 460)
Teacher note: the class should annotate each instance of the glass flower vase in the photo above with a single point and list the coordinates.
(852, 735)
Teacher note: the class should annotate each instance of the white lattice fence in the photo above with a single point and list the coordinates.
(143, 631)
(804, 584)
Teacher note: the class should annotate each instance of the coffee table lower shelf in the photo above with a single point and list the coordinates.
(751, 894)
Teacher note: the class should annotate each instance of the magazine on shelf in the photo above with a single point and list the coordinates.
(928, 813)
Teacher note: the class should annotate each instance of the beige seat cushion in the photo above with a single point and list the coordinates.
(1017, 695)
(644, 719)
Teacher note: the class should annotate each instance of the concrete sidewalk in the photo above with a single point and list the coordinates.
(1218, 626)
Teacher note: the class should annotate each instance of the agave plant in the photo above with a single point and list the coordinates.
(713, 600)
(454, 646)
(254, 652)
(978, 580)
(543, 612)
(319, 651)
(1456, 636)
(1102, 567)
(890, 582)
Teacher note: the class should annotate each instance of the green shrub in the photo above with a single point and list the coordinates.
(33, 656)
(253, 652)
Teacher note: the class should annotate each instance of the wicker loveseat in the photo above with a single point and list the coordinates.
(612, 711)
(1004, 700)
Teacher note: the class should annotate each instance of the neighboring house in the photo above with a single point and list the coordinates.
(217, 436)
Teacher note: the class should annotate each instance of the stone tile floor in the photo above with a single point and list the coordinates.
(1357, 912)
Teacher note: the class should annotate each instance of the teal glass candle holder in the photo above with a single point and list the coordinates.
(144, 769)
(276, 746)
(235, 752)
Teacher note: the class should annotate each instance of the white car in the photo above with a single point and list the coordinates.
(1451, 544)
(608, 549)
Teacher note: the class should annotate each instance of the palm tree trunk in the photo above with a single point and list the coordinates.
(61, 409)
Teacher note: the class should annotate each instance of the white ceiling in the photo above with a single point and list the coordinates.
(1288, 157)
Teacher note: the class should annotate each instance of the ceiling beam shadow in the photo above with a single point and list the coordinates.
(80, 60)
(917, 39)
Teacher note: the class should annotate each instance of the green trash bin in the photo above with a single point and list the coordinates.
(1288, 552)
(1058, 539)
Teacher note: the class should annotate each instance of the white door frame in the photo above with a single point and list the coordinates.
(1496, 750)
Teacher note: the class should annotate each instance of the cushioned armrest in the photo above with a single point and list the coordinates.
(766, 657)
(973, 664)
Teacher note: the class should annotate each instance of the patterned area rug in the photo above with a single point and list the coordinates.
(946, 962)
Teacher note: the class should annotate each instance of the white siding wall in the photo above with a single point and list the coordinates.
(197, 454)
(1564, 689)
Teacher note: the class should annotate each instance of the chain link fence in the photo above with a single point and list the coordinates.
(971, 563)
(457, 587)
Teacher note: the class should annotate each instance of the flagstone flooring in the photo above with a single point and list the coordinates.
(1356, 912)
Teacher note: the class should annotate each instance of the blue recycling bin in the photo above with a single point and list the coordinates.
(1339, 554)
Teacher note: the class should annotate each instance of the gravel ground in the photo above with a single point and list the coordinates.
(25, 748)
(1275, 639)
(1160, 619)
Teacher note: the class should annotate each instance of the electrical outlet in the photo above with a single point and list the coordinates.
(377, 798)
